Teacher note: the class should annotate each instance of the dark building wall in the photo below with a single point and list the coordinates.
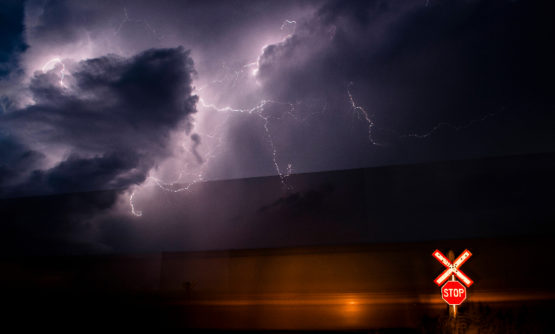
(502, 266)
(295, 234)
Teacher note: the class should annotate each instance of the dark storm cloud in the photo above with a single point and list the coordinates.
(57, 224)
(414, 67)
(60, 22)
(221, 31)
(329, 50)
(207, 27)
(11, 35)
(115, 119)
(115, 170)
(17, 160)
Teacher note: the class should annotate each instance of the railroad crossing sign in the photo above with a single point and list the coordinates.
(453, 292)
(453, 268)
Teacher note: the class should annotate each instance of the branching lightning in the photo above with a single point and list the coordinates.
(361, 111)
(442, 125)
(145, 24)
(233, 76)
(174, 187)
(283, 176)
(426, 134)
(258, 110)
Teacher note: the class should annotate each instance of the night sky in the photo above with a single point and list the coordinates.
(141, 98)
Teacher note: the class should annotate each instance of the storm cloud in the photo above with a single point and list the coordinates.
(111, 120)
(444, 81)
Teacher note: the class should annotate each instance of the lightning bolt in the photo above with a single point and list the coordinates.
(145, 24)
(258, 111)
(254, 64)
(132, 206)
(426, 134)
(283, 176)
(441, 125)
(287, 23)
(361, 111)
(232, 76)
(174, 187)
(177, 186)
(51, 64)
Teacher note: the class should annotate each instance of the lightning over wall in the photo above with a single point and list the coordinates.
(151, 100)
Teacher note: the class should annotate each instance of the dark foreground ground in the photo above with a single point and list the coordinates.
(375, 288)
(103, 312)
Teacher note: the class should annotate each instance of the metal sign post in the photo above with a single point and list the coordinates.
(453, 292)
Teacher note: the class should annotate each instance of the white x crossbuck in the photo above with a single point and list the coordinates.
(453, 268)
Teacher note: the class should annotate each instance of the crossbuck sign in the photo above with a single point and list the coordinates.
(453, 268)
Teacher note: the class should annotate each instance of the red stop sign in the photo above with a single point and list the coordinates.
(453, 292)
